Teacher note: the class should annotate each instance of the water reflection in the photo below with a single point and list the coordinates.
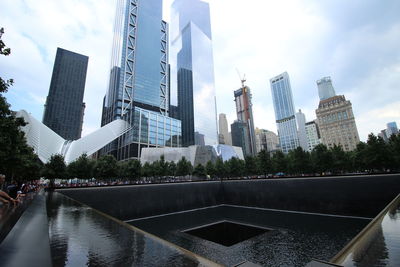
(80, 236)
(379, 245)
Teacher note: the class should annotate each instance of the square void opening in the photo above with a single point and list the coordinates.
(227, 233)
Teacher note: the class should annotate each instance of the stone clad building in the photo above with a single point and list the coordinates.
(336, 123)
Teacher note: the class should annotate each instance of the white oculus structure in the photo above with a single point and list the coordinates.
(45, 142)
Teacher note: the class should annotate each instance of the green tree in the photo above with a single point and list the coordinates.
(251, 165)
(299, 161)
(321, 159)
(29, 166)
(279, 162)
(377, 153)
(235, 167)
(199, 171)
(264, 162)
(147, 170)
(394, 151)
(163, 166)
(134, 169)
(55, 168)
(184, 167)
(340, 160)
(220, 169)
(17, 160)
(172, 169)
(106, 167)
(81, 168)
(210, 169)
(359, 157)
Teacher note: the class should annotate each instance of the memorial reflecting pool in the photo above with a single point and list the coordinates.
(294, 238)
(81, 236)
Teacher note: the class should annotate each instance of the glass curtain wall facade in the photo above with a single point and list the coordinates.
(284, 112)
(64, 108)
(192, 71)
(240, 136)
(325, 88)
(139, 71)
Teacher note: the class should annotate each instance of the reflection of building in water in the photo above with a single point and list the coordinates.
(378, 244)
(224, 135)
(100, 242)
(373, 251)
(192, 71)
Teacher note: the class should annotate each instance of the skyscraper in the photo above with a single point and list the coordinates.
(64, 108)
(284, 112)
(266, 140)
(240, 136)
(313, 136)
(138, 89)
(223, 130)
(391, 128)
(301, 130)
(244, 113)
(325, 88)
(336, 123)
(192, 71)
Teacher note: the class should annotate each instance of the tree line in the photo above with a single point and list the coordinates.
(375, 155)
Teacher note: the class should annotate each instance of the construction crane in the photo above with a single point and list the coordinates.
(242, 79)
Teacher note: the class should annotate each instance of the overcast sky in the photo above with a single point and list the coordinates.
(355, 42)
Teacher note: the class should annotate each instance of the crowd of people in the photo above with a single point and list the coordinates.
(13, 192)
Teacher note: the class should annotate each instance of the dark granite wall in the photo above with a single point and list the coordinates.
(356, 196)
(362, 196)
(129, 202)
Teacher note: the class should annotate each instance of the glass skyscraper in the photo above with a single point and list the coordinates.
(284, 112)
(64, 108)
(139, 78)
(192, 71)
(325, 88)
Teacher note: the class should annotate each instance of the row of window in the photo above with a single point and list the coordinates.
(341, 115)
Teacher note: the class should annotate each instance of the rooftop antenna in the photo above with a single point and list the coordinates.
(242, 79)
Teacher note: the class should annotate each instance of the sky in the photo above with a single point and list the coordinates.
(355, 42)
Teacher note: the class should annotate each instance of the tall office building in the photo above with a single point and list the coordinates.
(224, 135)
(313, 136)
(64, 108)
(192, 71)
(391, 129)
(244, 113)
(138, 90)
(325, 88)
(301, 130)
(266, 140)
(240, 136)
(336, 123)
(284, 112)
